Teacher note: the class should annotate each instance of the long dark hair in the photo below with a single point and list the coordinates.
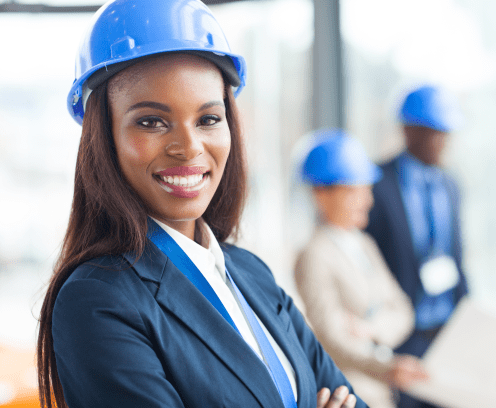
(108, 217)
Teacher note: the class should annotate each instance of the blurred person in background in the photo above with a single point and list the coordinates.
(355, 306)
(415, 219)
(148, 305)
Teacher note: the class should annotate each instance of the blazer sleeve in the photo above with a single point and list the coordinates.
(462, 288)
(326, 373)
(394, 321)
(318, 285)
(103, 354)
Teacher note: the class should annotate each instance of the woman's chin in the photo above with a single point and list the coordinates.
(362, 223)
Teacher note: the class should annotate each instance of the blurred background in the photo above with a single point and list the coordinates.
(310, 64)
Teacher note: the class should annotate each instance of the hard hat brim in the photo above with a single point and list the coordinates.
(223, 62)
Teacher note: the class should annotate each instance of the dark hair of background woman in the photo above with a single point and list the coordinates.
(108, 217)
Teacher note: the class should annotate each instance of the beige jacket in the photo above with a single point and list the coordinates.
(355, 306)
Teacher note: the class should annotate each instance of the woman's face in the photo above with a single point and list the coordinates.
(171, 135)
(345, 206)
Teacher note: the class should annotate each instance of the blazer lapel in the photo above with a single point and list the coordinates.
(178, 295)
(397, 208)
(278, 327)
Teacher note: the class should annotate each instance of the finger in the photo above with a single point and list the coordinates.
(338, 397)
(350, 401)
(421, 375)
(416, 370)
(322, 397)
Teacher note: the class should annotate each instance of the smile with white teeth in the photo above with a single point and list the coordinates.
(183, 181)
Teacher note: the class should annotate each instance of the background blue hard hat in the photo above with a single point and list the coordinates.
(125, 30)
(337, 158)
(431, 107)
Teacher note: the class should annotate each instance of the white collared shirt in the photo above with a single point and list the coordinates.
(211, 264)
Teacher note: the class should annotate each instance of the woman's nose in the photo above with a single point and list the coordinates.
(185, 144)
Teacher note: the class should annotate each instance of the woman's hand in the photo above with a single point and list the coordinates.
(340, 398)
(359, 328)
(406, 371)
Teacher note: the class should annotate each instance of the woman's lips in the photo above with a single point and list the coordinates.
(183, 182)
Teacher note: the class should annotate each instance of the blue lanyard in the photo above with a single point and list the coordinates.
(174, 252)
(273, 363)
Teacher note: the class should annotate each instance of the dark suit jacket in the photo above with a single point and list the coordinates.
(144, 336)
(389, 226)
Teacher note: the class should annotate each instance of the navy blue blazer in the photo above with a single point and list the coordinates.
(131, 334)
(389, 226)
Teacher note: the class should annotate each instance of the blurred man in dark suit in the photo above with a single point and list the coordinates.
(415, 219)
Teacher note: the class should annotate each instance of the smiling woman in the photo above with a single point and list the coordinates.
(148, 306)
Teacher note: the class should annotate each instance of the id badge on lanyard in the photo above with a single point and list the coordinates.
(439, 274)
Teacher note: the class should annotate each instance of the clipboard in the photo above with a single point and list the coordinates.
(461, 361)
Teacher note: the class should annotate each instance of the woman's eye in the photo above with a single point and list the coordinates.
(151, 122)
(209, 120)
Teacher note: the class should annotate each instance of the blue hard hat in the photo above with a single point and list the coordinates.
(337, 158)
(431, 107)
(123, 31)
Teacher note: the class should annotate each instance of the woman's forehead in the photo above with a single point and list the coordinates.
(162, 66)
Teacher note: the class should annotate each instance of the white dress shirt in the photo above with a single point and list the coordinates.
(211, 264)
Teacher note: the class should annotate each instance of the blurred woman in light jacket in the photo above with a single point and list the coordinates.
(357, 309)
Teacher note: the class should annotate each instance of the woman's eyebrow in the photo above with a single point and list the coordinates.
(149, 104)
(165, 108)
(210, 104)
